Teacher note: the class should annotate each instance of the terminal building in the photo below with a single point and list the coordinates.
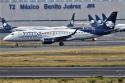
(58, 12)
(39, 12)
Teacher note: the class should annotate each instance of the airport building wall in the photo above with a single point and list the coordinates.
(37, 12)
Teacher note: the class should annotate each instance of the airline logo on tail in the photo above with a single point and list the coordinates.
(4, 24)
(110, 24)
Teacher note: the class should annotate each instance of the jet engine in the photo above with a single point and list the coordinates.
(47, 40)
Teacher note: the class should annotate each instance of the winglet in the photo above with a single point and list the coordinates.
(90, 17)
(71, 24)
(74, 32)
(112, 17)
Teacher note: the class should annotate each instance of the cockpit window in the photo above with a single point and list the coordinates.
(12, 33)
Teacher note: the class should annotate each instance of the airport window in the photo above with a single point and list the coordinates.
(20, 1)
(117, 0)
(96, 0)
(87, 0)
(106, 0)
(68, 0)
(13, 1)
(4, 1)
(114, 0)
(41, 0)
(25, 0)
(59, 0)
(78, 0)
(50, 0)
(32, 0)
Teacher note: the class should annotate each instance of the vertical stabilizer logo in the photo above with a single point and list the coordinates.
(5, 24)
(110, 24)
(92, 21)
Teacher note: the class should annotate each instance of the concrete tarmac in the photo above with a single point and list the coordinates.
(62, 71)
(68, 45)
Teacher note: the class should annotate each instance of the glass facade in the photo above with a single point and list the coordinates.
(59, 0)
(41, 0)
(15, 1)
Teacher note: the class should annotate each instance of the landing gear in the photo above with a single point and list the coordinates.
(61, 43)
(16, 44)
(94, 39)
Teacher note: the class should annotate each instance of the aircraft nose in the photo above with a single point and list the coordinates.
(7, 38)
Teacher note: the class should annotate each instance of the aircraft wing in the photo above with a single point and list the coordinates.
(62, 38)
(59, 38)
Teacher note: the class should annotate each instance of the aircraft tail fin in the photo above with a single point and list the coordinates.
(5, 25)
(71, 24)
(93, 23)
(90, 18)
(97, 17)
(111, 20)
(104, 17)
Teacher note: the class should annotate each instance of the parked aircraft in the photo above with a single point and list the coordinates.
(98, 21)
(61, 35)
(104, 17)
(118, 27)
(92, 21)
(8, 28)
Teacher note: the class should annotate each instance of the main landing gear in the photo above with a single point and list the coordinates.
(94, 39)
(61, 44)
(16, 44)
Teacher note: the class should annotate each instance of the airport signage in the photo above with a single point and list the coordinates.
(65, 6)
(45, 6)
(48, 6)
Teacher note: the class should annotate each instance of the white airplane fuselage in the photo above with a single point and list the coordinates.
(24, 28)
(120, 27)
(38, 35)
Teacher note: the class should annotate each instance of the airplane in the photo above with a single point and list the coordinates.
(98, 19)
(104, 17)
(118, 27)
(61, 35)
(8, 28)
(92, 21)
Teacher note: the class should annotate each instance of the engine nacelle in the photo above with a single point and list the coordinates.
(47, 41)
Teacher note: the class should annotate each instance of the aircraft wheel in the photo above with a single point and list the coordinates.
(94, 39)
(61, 43)
(16, 44)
